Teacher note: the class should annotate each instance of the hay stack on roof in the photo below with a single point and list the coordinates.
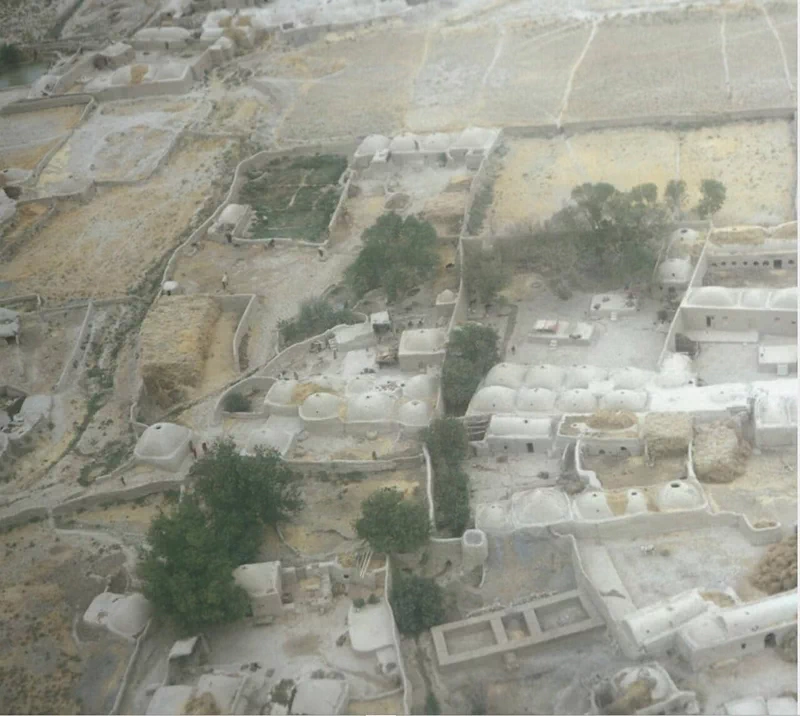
(174, 343)
(667, 434)
(720, 454)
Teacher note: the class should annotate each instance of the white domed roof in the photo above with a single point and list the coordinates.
(446, 296)
(634, 400)
(784, 298)
(582, 376)
(372, 144)
(268, 438)
(361, 384)
(281, 392)
(422, 340)
(535, 400)
(129, 615)
(320, 406)
(493, 399)
(370, 407)
(577, 400)
(414, 412)
(330, 383)
(162, 440)
(754, 297)
(637, 502)
(713, 296)
(631, 378)
(593, 506)
(404, 143)
(438, 142)
(509, 375)
(474, 138)
(493, 517)
(676, 370)
(679, 495)
(420, 387)
(675, 270)
(539, 507)
(544, 376)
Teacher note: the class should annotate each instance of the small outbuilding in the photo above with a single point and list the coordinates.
(421, 348)
(262, 582)
(125, 615)
(164, 445)
(518, 435)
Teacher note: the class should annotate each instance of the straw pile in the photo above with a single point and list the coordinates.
(302, 390)
(204, 704)
(777, 570)
(174, 342)
(667, 434)
(611, 420)
(137, 73)
(719, 454)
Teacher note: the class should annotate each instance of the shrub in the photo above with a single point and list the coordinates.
(471, 352)
(417, 602)
(236, 403)
(448, 445)
(358, 603)
(10, 56)
(713, 197)
(484, 275)
(373, 599)
(392, 524)
(316, 316)
(432, 704)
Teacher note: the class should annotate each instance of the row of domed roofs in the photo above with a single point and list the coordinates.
(721, 297)
(498, 399)
(365, 407)
(472, 138)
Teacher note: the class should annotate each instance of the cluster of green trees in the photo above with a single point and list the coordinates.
(612, 233)
(316, 316)
(417, 603)
(471, 352)
(397, 254)
(448, 446)
(484, 275)
(186, 567)
(391, 524)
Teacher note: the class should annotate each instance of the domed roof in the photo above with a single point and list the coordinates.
(370, 407)
(676, 370)
(577, 400)
(446, 296)
(320, 406)
(420, 387)
(438, 142)
(784, 298)
(631, 378)
(544, 376)
(493, 517)
(705, 630)
(268, 438)
(404, 143)
(331, 383)
(162, 440)
(281, 392)
(361, 384)
(582, 376)
(422, 340)
(754, 297)
(712, 296)
(474, 138)
(679, 495)
(637, 502)
(129, 615)
(414, 412)
(509, 375)
(539, 507)
(675, 270)
(535, 400)
(634, 400)
(372, 144)
(493, 399)
(593, 506)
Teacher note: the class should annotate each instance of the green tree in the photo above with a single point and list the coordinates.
(460, 380)
(675, 195)
(448, 446)
(417, 602)
(476, 344)
(446, 441)
(10, 56)
(391, 523)
(484, 275)
(236, 403)
(396, 255)
(187, 573)
(713, 197)
(316, 316)
(242, 494)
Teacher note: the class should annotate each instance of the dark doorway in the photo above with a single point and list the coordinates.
(530, 447)
(709, 321)
(769, 641)
(777, 263)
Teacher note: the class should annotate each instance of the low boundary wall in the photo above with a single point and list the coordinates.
(71, 359)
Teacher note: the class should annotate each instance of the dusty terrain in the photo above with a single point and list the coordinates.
(104, 248)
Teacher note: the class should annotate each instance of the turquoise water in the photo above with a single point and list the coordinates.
(22, 75)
